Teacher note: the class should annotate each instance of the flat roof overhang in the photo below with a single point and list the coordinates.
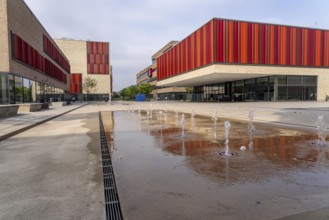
(217, 73)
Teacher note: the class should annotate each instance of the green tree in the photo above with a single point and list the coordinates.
(89, 85)
(189, 89)
(129, 93)
(132, 91)
(115, 96)
(144, 88)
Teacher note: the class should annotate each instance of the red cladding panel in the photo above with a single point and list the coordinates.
(236, 42)
(75, 83)
(26, 54)
(51, 50)
(98, 58)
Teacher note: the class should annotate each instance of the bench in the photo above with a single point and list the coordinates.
(8, 110)
(30, 107)
(58, 104)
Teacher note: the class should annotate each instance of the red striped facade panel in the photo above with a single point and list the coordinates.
(98, 58)
(192, 52)
(75, 83)
(238, 42)
(26, 54)
(51, 50)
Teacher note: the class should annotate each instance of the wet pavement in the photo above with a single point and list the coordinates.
(52, 171)
(162, 175)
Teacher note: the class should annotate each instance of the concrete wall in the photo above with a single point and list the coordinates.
(22, 21)
(170, 90)
(103, 85)
(4, 41)
(76, 52)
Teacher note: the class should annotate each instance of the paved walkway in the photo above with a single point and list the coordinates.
(292, 114)
(53, 171)
(10, 126)
(295, 114)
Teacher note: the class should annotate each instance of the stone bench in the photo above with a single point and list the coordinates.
(30, 107)
(58, 104)
(8, 110)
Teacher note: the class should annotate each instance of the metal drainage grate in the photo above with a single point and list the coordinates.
(112, 204)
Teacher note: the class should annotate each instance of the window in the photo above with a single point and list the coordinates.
(282, 80)
(309, 81)
(294, 80)
(27, 91)
(4, 99)
(18, 89)
(11, 80)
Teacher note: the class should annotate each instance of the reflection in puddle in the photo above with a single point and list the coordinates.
(274, 169)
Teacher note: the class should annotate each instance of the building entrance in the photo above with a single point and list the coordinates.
(269, 88)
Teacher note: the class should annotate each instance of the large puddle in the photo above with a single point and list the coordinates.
(162, 175)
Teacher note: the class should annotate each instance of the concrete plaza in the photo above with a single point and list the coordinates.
(53, 170)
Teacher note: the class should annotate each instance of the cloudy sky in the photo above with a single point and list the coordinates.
(136, 29)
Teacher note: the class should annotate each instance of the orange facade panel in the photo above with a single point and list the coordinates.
(237, 42)
(75, 83)
(98, 57)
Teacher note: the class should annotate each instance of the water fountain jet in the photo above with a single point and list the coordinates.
(251, 129)
(321, 127)
(183, 123)
(227, 152)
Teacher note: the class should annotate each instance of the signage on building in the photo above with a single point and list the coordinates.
(150, 72)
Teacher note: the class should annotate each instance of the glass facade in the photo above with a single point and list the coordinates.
(269, 88)
(16, 89)
(4, 95)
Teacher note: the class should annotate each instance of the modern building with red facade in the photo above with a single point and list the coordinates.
(229, 60)
(149, 75)
(88, 59)
(32, 67)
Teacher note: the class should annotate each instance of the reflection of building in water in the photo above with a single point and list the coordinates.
(284, 148)
(272, 155)
(172, 141)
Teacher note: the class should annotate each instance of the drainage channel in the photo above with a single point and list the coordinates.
(112, 203)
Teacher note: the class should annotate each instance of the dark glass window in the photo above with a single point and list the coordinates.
(309, 80)
(27, 87)
(18, 89)
(262, 89)
(294, 80)
(11, 80)
(250, 89)
(282, 80)
(4, 99)
(295, 93)
(282, 93)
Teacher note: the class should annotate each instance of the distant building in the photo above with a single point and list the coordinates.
(32, 66)
(145, 75)
(149, 75)
(88, 58)
(229, 60)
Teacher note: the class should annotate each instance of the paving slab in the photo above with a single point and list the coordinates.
(53, 171)
(290, 114)
(12, 125)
